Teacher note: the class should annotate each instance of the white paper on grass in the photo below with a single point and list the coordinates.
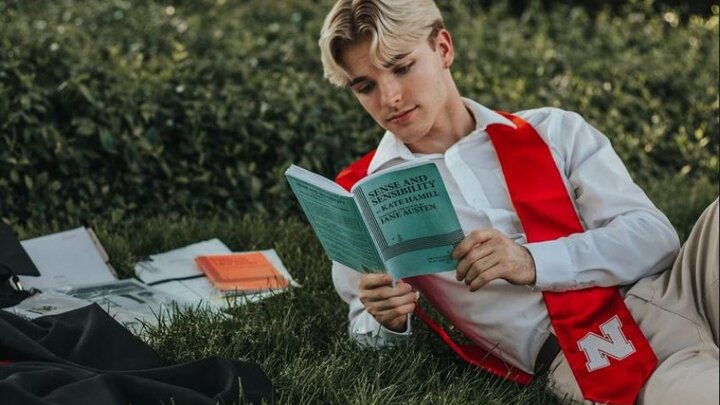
(129, 301)
(66, 258)
(180, 263)
(47, 303)
(200, 290)
(196, 290)
(177, 263)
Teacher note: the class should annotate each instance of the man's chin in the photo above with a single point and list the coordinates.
(411, 139)
(405, 137)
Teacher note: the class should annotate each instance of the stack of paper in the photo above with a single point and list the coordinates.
(248, 272)
(75, 271)
(176, 272)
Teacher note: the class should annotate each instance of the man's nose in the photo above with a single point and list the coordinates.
(390, 92)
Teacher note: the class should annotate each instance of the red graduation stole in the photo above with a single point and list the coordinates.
(607, 352)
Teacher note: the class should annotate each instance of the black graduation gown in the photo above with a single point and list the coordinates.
(86, 357)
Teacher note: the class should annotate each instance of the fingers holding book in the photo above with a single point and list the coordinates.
(389, 305)
(487, 254)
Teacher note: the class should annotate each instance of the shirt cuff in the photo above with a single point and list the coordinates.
(553, 266)
(392, 336)
(370, 333)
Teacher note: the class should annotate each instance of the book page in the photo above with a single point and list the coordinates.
(412, 219)
(65, 258)
(337, 223)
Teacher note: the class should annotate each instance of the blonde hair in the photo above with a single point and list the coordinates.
(394, 27)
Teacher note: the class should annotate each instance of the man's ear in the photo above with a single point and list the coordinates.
(444, 47)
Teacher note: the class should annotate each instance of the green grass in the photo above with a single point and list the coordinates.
(300, 339)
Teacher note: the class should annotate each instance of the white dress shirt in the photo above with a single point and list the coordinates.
(626, 237)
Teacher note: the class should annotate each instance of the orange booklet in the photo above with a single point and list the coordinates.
(244, 272)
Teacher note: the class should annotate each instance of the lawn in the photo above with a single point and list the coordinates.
(300, 337)
(163, 124)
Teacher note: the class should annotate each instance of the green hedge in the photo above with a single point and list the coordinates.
(119, 108)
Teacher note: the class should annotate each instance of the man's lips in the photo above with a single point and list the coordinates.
(401, 115)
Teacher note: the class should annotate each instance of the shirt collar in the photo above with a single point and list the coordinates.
(391, 147)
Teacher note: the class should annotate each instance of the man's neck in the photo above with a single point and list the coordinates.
(455, 122)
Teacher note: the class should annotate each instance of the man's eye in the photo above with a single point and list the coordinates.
(404, 69)
(365, 89)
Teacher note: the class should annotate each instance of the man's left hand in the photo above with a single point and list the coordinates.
(486, 254)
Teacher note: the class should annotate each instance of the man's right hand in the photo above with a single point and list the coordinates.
(387, 304)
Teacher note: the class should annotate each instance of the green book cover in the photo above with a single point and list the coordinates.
(400, 220)
(336, 220)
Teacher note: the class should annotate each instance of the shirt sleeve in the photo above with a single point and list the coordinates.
(363, 328)
(626, 237)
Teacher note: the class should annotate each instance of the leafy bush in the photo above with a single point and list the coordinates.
(118, 108)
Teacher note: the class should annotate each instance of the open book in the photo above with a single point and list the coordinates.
(67, 258)
(399, 221)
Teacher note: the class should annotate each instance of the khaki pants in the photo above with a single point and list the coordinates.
(678, 312)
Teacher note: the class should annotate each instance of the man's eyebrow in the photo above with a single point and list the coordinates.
(388, 65)
(395, 60)
(357, 80)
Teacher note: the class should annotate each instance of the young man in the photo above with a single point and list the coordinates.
(395, 56)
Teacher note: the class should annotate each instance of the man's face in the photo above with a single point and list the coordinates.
(407, 98)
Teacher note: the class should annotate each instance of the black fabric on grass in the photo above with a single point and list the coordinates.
(86, 357)
(12, 255)
(14, 261)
